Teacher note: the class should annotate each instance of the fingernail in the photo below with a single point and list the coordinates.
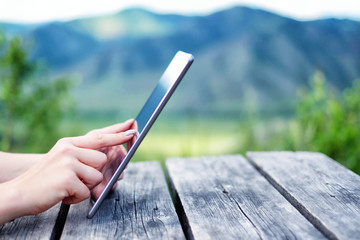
(130, 132)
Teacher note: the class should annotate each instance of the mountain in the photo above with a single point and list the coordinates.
(128, 23)
(244, 58)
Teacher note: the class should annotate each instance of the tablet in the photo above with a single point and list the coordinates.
(148, 114)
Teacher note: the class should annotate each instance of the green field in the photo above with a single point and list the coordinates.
(174, 137)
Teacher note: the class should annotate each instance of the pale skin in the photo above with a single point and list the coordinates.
(71, 171)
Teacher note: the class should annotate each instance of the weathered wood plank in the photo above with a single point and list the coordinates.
(325, 192)
(140, 208)
(31, 227)
(226, 198)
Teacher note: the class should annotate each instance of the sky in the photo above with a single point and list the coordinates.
(36, 11)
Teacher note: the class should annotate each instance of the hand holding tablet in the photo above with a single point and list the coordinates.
(143, 122)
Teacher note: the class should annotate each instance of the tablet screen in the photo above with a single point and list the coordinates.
(167, 83)
(150, 111)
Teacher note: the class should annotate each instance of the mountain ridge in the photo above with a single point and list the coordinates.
(242, 55)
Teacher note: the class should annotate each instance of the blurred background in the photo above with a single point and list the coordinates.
(268, 75)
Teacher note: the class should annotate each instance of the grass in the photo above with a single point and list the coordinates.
(173, 136)
(160, 144)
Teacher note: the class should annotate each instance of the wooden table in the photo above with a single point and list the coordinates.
(267, 195)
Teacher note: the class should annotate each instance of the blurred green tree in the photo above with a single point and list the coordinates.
(329, 123)
(31, 106)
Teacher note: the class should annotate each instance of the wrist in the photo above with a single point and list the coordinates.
(12, 204)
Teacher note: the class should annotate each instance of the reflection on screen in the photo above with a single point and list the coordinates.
(150, 106)
(172, 73)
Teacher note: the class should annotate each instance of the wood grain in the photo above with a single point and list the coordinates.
(140, 208)
(226, 198)
(31, 227)
(325, 192)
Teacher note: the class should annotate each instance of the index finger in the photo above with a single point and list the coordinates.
(99, 140)
(116, 128)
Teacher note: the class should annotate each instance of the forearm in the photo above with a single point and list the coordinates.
(14, 164)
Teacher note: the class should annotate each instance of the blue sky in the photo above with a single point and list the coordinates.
(48, 10)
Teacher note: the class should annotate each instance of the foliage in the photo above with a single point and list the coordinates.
(31, 106)
(329, 123)
(326, 121)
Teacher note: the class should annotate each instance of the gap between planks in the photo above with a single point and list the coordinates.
(310, 212)
(311, 218)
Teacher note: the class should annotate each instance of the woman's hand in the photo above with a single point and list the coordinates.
(66, 173)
